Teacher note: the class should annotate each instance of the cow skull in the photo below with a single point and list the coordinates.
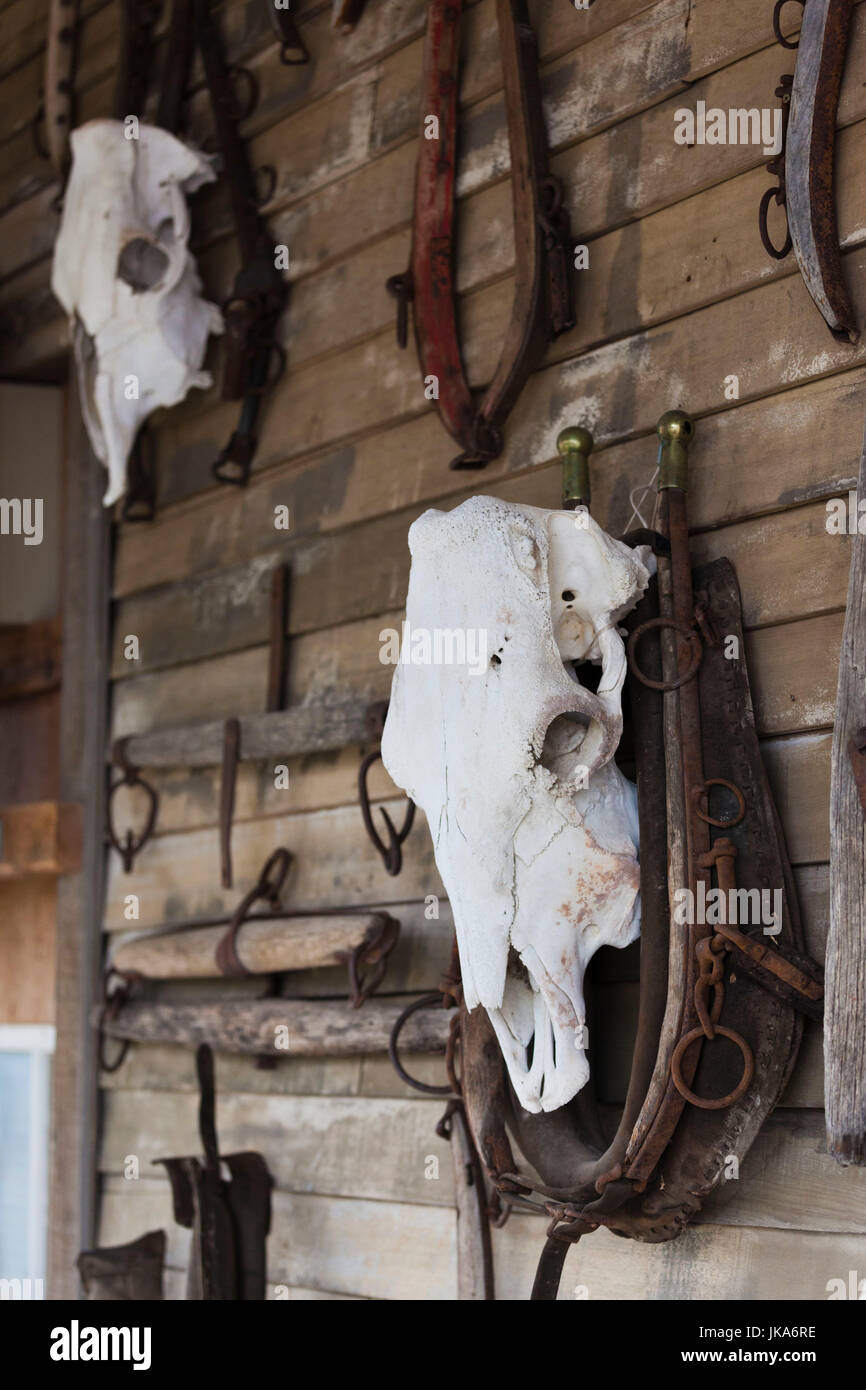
(123, 273)
(534, 827)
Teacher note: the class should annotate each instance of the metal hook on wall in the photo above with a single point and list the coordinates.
(130, 776)
(391, 853)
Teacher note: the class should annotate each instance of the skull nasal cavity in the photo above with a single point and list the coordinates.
(141, 265)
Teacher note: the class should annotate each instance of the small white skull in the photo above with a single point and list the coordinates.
(123, 273)
(534, 827)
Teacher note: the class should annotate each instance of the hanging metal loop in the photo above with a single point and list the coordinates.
(371, 956)
(739, 1090)
(434, 1000)
(777, 22)
(391, 853)
(112, 1002)
(130, 776)
(266, 889)
(683, 628)
(776, 167)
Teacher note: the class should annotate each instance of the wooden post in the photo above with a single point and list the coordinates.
(84, 615)
(845, 984)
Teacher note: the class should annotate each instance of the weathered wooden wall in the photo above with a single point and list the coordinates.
(678, 297)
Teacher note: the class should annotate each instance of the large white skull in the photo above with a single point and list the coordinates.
(123, 273)
(534, 827)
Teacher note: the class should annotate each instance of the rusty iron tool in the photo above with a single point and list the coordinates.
(279, 627)
(293, 49)
(228, 782)
(809, 161)
(230, 1219)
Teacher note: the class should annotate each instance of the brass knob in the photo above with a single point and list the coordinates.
(575, 445)
(675, 431)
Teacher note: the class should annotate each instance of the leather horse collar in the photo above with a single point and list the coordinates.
(694, 1102)
(542, 307)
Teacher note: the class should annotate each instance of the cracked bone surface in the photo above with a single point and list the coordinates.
(534, 827)
(124, 274)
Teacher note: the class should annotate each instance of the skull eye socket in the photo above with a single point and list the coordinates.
(141, 265)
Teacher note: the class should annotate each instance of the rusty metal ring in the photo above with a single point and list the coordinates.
(778, 253)
(123, 1049)
(392, 853)
(267, 174)
(735, 792)
(35, 130)
(777, 17)
(426, 1001)
(235, 75)
(275, 349)
(286, 48)
(723, 1101)
(131, 845)
(686, 631)
(450, 1054)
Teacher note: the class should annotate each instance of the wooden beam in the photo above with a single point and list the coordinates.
(264, 945)
(84, 618)
(845, 1007)
(41, 838)
(282, 733)
(29, 658)
(281, 1027)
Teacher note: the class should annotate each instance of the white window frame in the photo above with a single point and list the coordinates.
(38, 1040)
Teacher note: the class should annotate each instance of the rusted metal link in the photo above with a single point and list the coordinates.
(372, 955)
(130, 776)
(686, 631)
(267, 889)
(434, 1000)
(776, 167)
(400, 288)
(777, 22)
(702, 789)
(391, 853)
(702, 1102)
(112, 1002)
(139, 501)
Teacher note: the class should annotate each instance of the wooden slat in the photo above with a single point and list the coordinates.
(278, 733)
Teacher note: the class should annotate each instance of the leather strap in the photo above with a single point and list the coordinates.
(542, 306)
